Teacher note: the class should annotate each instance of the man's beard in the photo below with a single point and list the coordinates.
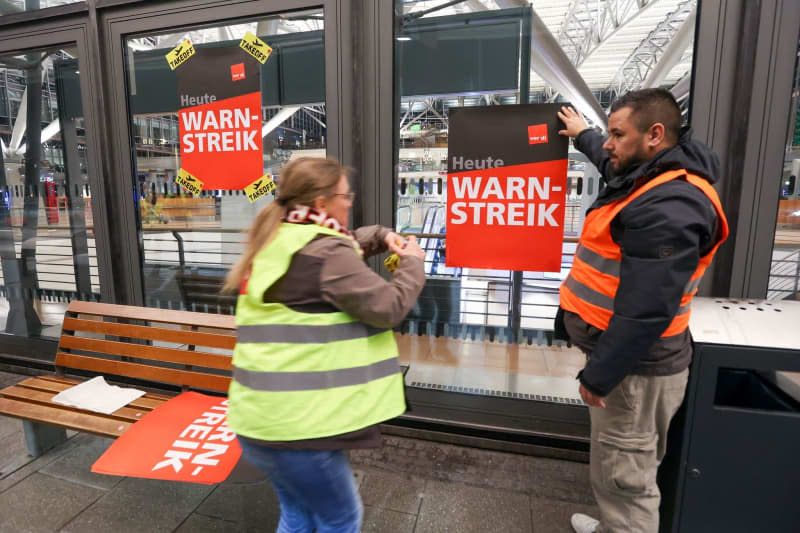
(624, 167)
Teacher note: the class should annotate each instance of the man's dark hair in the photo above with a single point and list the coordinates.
(649, 106)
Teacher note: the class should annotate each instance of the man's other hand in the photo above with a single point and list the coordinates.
(572, 120)
(591, 399)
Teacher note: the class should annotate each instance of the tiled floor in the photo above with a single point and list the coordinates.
(407, 486)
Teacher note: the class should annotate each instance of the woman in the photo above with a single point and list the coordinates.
(315, 364)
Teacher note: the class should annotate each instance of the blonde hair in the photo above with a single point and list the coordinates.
(301, 182)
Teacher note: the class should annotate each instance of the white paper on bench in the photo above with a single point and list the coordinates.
(97, 395)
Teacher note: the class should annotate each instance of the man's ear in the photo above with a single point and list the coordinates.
(656, 135)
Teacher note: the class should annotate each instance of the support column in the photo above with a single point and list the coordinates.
(20, 274)
(76, 207)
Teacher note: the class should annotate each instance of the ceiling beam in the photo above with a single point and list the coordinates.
(673, 52)
(643, 60)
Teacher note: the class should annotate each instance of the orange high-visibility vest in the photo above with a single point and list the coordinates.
(592, 284)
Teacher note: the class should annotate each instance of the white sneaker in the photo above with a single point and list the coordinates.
(582, 523)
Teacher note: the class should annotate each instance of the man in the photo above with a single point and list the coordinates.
(645, 245)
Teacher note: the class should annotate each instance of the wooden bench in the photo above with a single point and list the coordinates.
(144, 348)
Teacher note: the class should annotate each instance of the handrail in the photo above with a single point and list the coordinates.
(444, 236)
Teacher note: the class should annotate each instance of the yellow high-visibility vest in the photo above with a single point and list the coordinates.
(306, 375)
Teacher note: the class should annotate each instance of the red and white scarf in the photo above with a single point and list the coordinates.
(304, 214)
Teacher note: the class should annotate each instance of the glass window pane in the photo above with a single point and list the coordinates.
(784, 277)
(191, 118)
(475, 328)
(46, 227)
(9, 7)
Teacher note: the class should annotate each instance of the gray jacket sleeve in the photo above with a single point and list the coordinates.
(347, 283)
(371, 239)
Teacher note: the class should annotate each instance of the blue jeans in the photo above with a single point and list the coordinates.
(316, 489)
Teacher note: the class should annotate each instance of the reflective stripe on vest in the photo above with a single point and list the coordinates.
(291, 381)
(306, 375)
(592, 284)
(305, 334)
(599, 299)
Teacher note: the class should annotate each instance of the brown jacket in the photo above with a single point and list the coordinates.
(326, 276)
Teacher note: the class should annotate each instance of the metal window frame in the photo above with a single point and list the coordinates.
(69, 30)
(740, 104)
(732, 72)
(55, 12)
(114, 25)
(740, 101)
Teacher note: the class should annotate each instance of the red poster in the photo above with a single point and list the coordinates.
(506, 188)
(219, 118)
(184, 439)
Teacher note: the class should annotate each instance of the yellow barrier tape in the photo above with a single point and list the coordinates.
(255, 47)
(189, 182)
(180, 54)
(261, 187)
(391, 262)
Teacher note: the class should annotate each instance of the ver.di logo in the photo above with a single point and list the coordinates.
(537, 134)
(237, 72)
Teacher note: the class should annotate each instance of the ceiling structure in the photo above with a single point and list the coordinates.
(613, 44)
(605, 40)
(585, 51)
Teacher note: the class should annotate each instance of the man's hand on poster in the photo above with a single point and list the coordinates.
(591, 399)
(573, 121)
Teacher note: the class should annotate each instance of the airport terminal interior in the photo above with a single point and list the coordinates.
(91, 150)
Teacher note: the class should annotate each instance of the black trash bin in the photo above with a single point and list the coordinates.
(733, 451)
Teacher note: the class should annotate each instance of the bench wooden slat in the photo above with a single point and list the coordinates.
(142, 351)
(149, 373)
(178, 336)
(96, 424)
(165, 316)
(45, 398)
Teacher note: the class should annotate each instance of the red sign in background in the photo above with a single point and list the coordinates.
(221, 142)
(184, 439)
(509, 218)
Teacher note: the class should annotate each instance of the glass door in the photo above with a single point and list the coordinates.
(215, 112)
(47, 245)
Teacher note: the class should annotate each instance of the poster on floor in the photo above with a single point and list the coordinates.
(186, 438)
(506, 187)
(219, 116)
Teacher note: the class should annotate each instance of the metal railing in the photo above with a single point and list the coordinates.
(211, 247)
(475, 304)
(457, 303)
(784, 277)
(55, 265)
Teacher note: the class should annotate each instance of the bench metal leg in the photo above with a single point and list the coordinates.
(42, 437)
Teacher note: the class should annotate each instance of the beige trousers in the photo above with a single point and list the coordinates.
(629, 439)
